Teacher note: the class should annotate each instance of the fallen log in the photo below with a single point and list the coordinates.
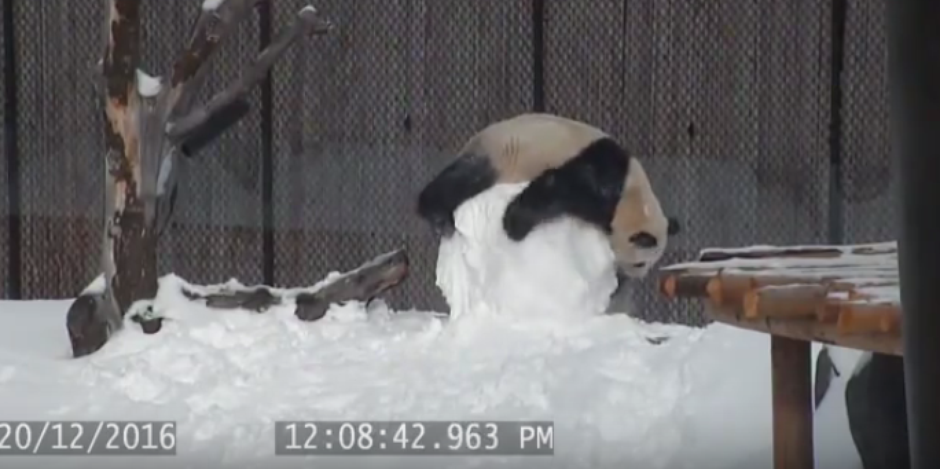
(89, 329)
(362, 284)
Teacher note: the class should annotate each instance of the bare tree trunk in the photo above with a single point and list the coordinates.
(130, 240)
(147, 125)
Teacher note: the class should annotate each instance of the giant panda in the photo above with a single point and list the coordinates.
(572, 168)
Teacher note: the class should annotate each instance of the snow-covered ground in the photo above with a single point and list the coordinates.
(621, 393)
(699, 399)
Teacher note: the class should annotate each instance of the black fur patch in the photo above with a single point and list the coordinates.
(587, 186)
(674, 227)
(461, 180)
(876, 406)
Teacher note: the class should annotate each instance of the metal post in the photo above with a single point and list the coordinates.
(538, 55)
(267, 151)
(914, 80)
(836, 62)
(11, 153)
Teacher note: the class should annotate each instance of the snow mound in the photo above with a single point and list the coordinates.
(622, 393)
(563, 269)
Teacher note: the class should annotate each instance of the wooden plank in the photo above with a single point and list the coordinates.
(809, 330)
(793, 403)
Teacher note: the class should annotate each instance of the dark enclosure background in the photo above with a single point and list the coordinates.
(748, 134)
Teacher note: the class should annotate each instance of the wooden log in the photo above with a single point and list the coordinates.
(792, 403)
(89, 322)
(865, 318)
(885, 249)
(829, 312)
(823, 252)
(88, 333)
(726, 288)
(789, 301)
(362, 284)
(684, 285)
(807, 329)
(715, 255)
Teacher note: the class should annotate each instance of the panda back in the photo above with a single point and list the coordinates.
(523, 147)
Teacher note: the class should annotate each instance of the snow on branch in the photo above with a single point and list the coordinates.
(308, 22)
(148, 86)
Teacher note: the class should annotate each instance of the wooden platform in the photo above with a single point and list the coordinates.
(843, 295)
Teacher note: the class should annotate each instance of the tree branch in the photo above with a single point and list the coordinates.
(364, 283)
(308, 22)
(211, 28)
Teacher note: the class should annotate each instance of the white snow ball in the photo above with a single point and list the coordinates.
(563, 269)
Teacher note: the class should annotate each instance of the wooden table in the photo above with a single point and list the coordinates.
(841, 295)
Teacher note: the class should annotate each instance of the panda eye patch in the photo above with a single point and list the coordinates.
(644, 240)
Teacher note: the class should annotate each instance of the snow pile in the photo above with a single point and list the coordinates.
(563, 269)
(619, 395)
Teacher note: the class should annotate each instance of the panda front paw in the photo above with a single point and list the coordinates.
(518, 221)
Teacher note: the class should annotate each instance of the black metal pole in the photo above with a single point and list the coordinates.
(12, 155)
(267, 152)
(837, 60)
(538, 55)
(914, 80)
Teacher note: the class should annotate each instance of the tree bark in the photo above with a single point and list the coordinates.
(140, 179)
(130, 244)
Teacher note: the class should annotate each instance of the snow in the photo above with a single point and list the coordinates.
(563, 269)
(700, 399)
(148, 86)
(621, 393)
(209, 5)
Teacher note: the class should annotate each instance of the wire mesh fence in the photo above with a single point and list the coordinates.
(729, 103)
(870, 175)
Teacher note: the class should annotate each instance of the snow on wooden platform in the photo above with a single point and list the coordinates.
(846, 295)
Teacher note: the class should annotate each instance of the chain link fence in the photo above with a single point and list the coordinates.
(870, 174)
(729, 104)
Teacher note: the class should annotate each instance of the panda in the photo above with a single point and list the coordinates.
(572, 169)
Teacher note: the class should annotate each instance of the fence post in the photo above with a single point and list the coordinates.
(914, 80)
(836, 60)
(538, 55)
(14, 252)
(267, 150)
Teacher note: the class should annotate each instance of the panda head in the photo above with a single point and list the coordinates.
(639, 230)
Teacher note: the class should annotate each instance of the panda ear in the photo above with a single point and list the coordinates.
(673, 227)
